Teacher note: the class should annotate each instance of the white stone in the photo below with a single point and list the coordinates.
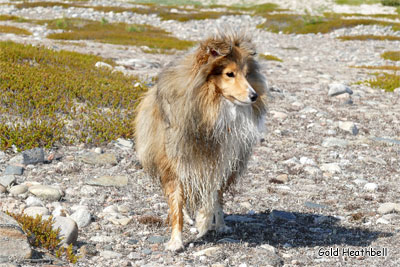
(46, 192)
(278, 115)
(68, 229)
(208, 251)
(33, 211)
(108, 254)
(101, 64)
(388, 207)
(7, 180)
(382, 221)
(18, 189)
(307, 161)
(348, 126)
(32, 201)
(371, 187)
(331, 167)
(338, 89)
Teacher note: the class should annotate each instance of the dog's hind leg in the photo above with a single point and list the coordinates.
(220, 225)
(203, 221)
(175, 197)
(186, 217)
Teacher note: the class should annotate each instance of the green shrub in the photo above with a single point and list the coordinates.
(390, 2)
(50, 98)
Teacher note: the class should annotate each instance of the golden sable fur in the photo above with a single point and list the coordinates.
(196, 128)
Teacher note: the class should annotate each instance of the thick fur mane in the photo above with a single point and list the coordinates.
(205, 139)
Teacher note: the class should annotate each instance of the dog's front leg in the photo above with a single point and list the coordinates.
(220, 225)
(174, 194)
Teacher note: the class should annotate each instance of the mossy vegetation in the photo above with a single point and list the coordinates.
(356, 2)
(116, 33)
(369, 37)
(14, 30)
(391, 55)
(390, 2)
(270, 57)
(42, 235)
(26, 4)
(303, 24)
(59, 97)
(386, 81)
(385, 67)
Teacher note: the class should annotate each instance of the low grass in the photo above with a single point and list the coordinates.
(14, 30)
(270, 57)
(356, 2)
(369, 37)
(51, 98)
(386, 81)
(303, 24)
(116, 33)
(385, 67)
(391, 55)
(44, 4)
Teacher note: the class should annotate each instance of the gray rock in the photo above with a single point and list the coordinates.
(282, 215)
(388, 207)
(338, 89)
(46, 192)
(33, 156)
(157, 239)
(13, 170)
(13, 242)
(147, 251)
(16, 160)
(34, 211)
(7, 180)
(68, 229)
(333, 142)
(18, 189)
(82, 217)
(32, 201)
(119, 180)
(99, 159)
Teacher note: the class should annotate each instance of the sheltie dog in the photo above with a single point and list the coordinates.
(196, 128)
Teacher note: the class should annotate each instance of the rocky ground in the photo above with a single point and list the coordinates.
(325, 177)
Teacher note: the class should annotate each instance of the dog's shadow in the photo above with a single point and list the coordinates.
(284, 229)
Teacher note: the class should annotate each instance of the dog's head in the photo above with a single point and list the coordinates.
(228, 61)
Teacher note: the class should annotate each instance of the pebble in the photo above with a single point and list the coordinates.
(32, 201)
(382, 221)
(46, 192)
(284, 178)
(68, 229)
(34, 211)
(331, 167)
(18, 189)
(336, 89)
(124, 144)
(371, 187)
(157, 239)
(106, 180)
(313, 205)
(282, 215)
(389, 207)
(332, 142)
(348, 126)
(101, 64)
(207, 252)
(82, 217)
(278, 115)
(108, 254)
(7, 180)
(33, 156)
(307, 161)
(2, 189)
(99, 159)
(13, 242)
(13, 170)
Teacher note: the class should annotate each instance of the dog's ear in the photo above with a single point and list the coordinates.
(216, 48)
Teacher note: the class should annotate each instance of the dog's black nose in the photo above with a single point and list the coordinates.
(253, 96)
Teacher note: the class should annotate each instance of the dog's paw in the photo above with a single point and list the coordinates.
(202, 232)
(174, 245)
(224, 229)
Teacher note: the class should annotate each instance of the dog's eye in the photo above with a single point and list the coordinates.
(230, 74)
